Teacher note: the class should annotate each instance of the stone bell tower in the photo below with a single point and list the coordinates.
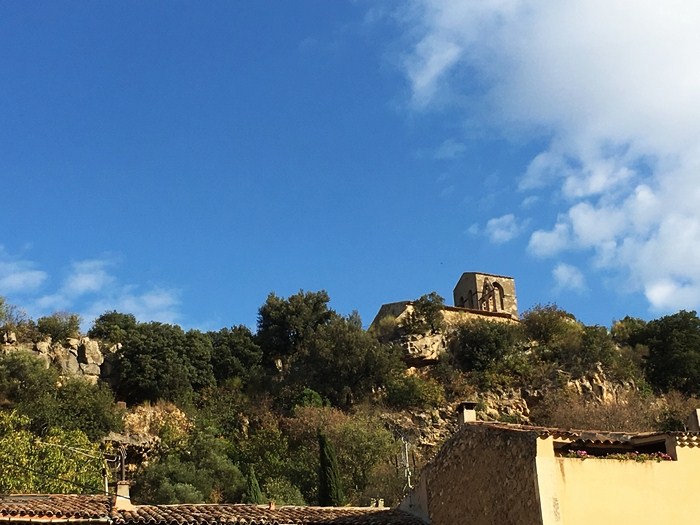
(486, 292)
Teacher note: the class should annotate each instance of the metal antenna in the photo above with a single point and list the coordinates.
(404, 461)
(406, 465)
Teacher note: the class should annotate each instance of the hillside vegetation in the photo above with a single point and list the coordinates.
(237, 416)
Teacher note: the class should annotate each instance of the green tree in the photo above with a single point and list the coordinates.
(590, 346)
(161, 361)
(253, 492)
(59, 462)
(71, 404)
(112, 327)
(674, 352)
(201, 471)
(547, 323)
(74, 405)
(285, 325)
(412, 391)
(152, 364)
(342, 362)
(629, 334)
(284, 492)
(479, 344)
(330, 490)
(59, 326)
(628, 331)
(235, 354)
(361, 442)
(426, 315)
(198, 359)
(265, 449)
(223, 408)
(24, 379)
(4, 311)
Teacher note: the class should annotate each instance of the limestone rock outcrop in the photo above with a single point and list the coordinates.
(424, 349)
(74, 358)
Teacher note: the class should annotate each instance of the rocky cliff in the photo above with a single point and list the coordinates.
(76, 357)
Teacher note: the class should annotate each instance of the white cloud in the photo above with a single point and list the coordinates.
(19, 276)
(502, 229)
(450, 149)
(18, 280)
(547, 243)
(667, 294)
(88, 276)
(52, 303)
(529, 201)
(568, 277)
(545, 168)
(155, 304)
(614, 90)
(88, 289)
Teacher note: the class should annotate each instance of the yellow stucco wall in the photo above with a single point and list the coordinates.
(487, 474)
(606, 491)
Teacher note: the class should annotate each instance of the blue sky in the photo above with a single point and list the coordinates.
(181, 160)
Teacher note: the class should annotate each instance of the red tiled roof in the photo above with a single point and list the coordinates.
(54, 507)
(588, 436)
(59, 507)
(261, 515)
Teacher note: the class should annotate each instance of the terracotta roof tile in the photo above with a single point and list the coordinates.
(260, 515)
(54, 506)
(589, 436)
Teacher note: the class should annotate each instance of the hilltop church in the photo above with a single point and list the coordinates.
(476, 295)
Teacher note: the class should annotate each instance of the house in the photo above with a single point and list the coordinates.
(75, 509)
(496, 473)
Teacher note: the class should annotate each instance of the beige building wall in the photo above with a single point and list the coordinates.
(583, 492)
(487, 474)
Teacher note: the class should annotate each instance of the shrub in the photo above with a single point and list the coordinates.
(547, 323)
(564, 409)
(412, 391)
(362, 445)
(59, 326)
(426, 315)
(283, 492)
(200, 472)
(479, 344)
(15, 320)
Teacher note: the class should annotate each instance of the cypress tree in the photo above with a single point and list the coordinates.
(254, 493)
(330, 490)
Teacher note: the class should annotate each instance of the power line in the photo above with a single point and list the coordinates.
(72, 449)
(45, 476)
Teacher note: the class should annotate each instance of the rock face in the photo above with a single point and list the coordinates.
(596, 387)
(76, 358)
(424, 349)
(428, 429)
